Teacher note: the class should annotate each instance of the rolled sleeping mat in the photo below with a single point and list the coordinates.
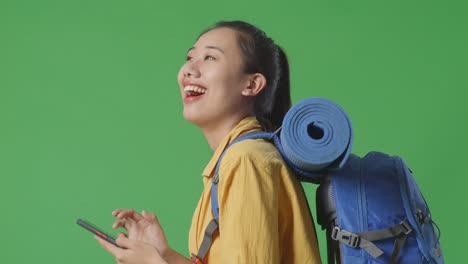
(316, 135)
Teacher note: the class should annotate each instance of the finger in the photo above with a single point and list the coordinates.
(121, 211)
(145, 214)
(119, 223)
(116, 211)
(130, 213)
(149, 216)
(108, 246)
(125, 242)
(131, 226)
(126, 223)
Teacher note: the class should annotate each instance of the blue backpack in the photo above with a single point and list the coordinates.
(374, 212)
(371, 207)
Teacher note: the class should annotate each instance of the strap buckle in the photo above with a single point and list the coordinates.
(406, 227)
(345, 237)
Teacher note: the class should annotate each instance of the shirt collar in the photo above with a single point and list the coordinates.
(246, 125)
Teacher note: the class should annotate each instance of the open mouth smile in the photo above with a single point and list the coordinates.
(193, 92)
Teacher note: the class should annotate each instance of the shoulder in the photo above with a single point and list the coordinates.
(259, 153)
(248, 169)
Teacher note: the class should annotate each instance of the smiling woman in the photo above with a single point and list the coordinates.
(235, 80)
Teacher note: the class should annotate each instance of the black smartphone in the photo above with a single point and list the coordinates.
(88, 226)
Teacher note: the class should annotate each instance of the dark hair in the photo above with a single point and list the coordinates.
(262, 55)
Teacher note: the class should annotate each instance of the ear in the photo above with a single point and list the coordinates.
(256, 83)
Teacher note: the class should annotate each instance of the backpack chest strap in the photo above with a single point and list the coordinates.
(364, 239)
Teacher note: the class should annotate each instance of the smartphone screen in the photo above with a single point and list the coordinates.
(93, 229)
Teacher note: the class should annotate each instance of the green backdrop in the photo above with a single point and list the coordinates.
(90, 111)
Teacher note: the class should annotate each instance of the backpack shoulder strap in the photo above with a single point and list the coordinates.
(214, 185)
(213, 225)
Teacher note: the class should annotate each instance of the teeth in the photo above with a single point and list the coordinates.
(194, 89)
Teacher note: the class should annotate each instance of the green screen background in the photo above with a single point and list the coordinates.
(90, 111)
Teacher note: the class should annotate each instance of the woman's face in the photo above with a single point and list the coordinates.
(212, 79)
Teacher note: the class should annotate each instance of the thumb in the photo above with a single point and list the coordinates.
(124, 242)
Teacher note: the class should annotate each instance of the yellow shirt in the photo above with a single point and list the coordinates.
(263, 212)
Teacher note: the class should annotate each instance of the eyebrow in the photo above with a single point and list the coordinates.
(208, 47)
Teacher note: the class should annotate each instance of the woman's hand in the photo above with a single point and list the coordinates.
(132, 251)
(144, 227)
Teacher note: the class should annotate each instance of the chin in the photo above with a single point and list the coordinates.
(199, 119)
(193, 118)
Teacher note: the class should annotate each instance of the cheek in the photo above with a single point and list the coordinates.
(233, 83)
(221, 77)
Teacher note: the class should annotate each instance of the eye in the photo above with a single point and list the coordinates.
(209, 57)
(188, 58)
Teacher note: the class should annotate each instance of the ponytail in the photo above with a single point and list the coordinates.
(272, 104)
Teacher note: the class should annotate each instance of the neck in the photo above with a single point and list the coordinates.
(214, 133)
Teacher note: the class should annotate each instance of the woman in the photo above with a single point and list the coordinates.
(235, 80)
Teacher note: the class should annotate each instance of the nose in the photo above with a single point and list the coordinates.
(191, 69)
